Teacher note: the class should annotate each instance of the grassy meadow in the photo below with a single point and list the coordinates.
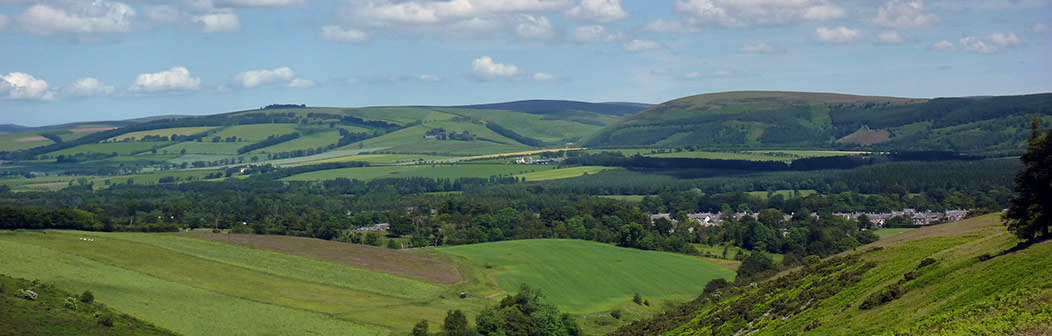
(450, 171)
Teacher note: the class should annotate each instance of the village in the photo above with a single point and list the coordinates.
(877, 220)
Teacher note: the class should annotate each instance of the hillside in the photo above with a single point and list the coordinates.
(769, 119)
(962, 278)
(54, 311)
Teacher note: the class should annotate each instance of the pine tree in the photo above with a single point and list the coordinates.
(1029, 214)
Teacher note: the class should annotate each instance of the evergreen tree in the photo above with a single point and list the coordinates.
(1029, 214)
(456, 324)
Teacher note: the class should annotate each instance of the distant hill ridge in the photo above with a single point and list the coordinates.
(780, 119)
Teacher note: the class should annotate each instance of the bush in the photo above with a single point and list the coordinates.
(420, 329)
(714, 285)
(28, 294)
(71, 303)
(881, 297)
(926, 262)
(616, 313)
(637, 299)
(105, 319)
(87, 297)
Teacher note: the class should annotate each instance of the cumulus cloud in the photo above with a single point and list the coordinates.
(594, 33)
(176, 79)
(429, 78)
(300, 83)
(890, 37)
(761, 48)
(459, 18)
(598, 11)
(254, 78)
(78, 18)
(22, 86)
(898, 14)
(543, 77)
(484, 68)
(534, 27)
(670, 26)
(1038, 28)
(260, 3)
(837, 35)
(990, 43)
(89, 87)
(943, 45)
(336, 34)
(695, 75)
(637, 45)
(736, 13)
(204, 18)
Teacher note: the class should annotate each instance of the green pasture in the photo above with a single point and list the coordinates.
(9, 141)
(168, 132)
(888, 232)
(318, 139)
(206, 147)
(535, 125)
(121, 148)
(432, 171)
(399, 115)
(254, 132)
(386, 159)
(583, 276)
(563, 173)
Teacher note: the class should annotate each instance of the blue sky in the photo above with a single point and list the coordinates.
(65, 61)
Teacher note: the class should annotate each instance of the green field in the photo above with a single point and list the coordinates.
(167, 132)
(891, 231)
(206, 147)
(411, 140)
(121, 148)
(179, 292)
(583, 276)
(318, 139)
(433, 171)
(563, 173)
(255, 132)
(10, 141)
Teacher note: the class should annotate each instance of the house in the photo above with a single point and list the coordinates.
(381, 227)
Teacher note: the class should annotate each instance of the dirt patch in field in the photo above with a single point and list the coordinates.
(86, 130)
(31, 139)
(867, 137)
(400, 263)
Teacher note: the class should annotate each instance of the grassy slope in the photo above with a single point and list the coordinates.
(960, 294)
(437, 171)
(118, 273)
(50, 315)
(168, 132)
(121, 148)
(563, 173)
(582, 276)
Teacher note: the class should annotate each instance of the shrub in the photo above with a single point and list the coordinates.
(881, 297)
(926, 262)
(637, 299)
(71, 303)
(985, 257)
(616, 313)
(105, 319)
(714, 285)
(87, 297)
(420, 329)
(28, 294)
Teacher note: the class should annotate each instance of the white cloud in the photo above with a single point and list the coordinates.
(353, 80)
(890, 37)
(1038, 28)
(737, 13)
(80, 18)
(943, 45)
(426, 78)
(990, 43)
(670, 26)
(534, 27)
(336, 34)
(761, 48)
(204, 18)
(22, 86)
(89, 87)
(637, 45)
(254, 78)
(457, 18)
(260, 3)
(3, 21)
(543, 77)
(898, 14)
(695, 75)
(484, 68)
(176, 79)
(598, 11)
(837, 35)
(300, 83)
(660, 71)
(594, 33)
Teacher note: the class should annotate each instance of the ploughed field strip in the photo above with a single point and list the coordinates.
(400, 263)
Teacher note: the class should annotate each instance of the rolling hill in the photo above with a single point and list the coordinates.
(963, 278)
(770, 119)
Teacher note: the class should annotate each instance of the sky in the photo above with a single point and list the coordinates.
(68, 61)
